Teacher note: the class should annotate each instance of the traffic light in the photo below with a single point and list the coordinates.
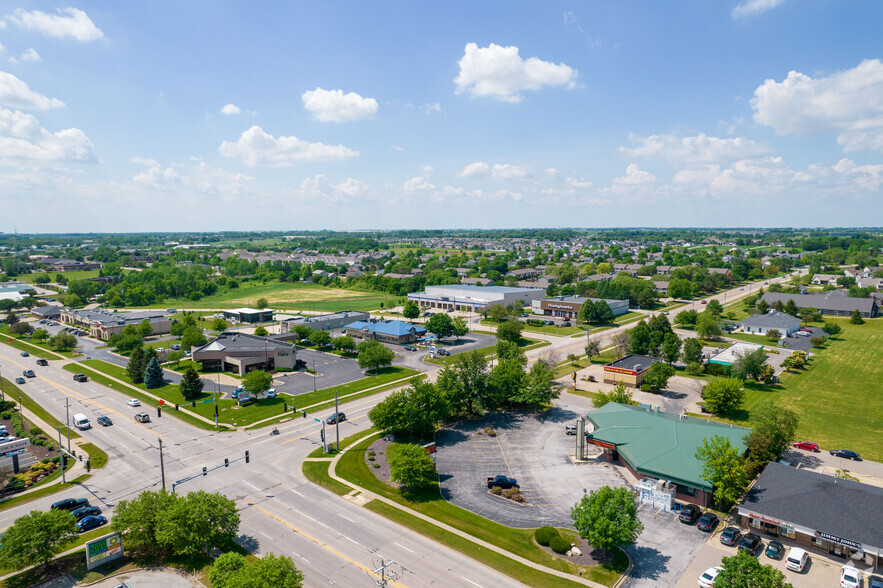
(226, 462)
(305, 414)
(88, 465)
(247, 459)
(194, 404)
(176, 407)
(284, 407)
(204, 471)
(158, 412)
(322, 435)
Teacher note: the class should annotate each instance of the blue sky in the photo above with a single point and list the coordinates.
(353, 115)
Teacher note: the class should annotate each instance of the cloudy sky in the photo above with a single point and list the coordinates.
(211, 115)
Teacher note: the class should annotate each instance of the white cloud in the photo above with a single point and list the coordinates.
(14, 93)
(696, 149)
(499, 72)
(257, 148)
(508, 171)
(2, 48)
(68, 22)
(754, 7)
(396, 148)
(849, 103)
(417, 184)
(475, 170)
(30, 55)
(231, 109)
(552, 172)
(335, 106)
(22, 138)
(433, 108)
(635, 183)
(195, 178)
(577, 184)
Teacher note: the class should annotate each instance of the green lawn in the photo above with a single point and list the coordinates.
(76, 275)
(97, 456)
(566, 366)
(317, 473)
(491, 350)
(36, 349)
(545, 329)
(748, 338)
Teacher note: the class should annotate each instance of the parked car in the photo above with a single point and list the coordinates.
(689, 513)
(19, 380)
(750, 543)
(104, 421)
(409, 348)
(850, 577)
(775, 550)
(133, 402)
(176, 347)
(547, 323)
(565, 324)
(90, 523)
(42, 362)
(86, 511)
(730, 536)
(796, 559)
(70, 504)
(501, 481)
(875, 582)
(427, 313)
(807, 445)
(142, 417)
(846, 453)
(25, 354)
(570, 429)
(706, 580)
(29, 374)
(708, 522)
(337, 417)
(442, 352)
(239, 390)
(705, 302)
(271, 393)
(80, 378)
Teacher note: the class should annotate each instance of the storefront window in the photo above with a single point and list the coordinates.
(756, 523)
(788, 532)
(816, 542)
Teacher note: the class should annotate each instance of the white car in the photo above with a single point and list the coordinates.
(850, 577)
(796, 559)
(133, 402)
(706, 580)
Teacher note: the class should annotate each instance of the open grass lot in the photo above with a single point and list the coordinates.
(79, 275)
(491, 350)
(286, 295)
(748, 338)
(36, 349)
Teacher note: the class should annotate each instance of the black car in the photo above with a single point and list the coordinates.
(409, 348)
(337, 417)
(750, 543)
(689, 513)
(442, 352)
(104, 421)
(86, 511)
(731, 536)
(775, 550)
(70, 504)
(80, 378)
(708, 522)
(42, 362)
(846, 453)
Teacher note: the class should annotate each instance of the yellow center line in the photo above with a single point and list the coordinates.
(325, 545)
(318, 430)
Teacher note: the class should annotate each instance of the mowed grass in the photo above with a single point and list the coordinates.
(77, 275)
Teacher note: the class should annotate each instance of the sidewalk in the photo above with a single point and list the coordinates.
(366, 496)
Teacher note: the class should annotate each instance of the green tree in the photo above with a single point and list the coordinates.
(257, 382)
(692, 350)
(750, 365)
(410, 310)
(193, 337)
(619, 394)
(791, 308)
(419, 408)
(687, 318)
(20, 328)
(763, 306)
(460, 328)
(604, 313)
(856, 318)
(153, 374)
(723, 468)
(63, 341)
(373, 355)
(191, 384)
(593, 348)
(268, 570)
(411, 466)
(507, 350)
(320, 337)
(36, 538)
(607, 518)
(640, 340)
(12, 318)
(138, 520)
(135, 367)
(714, 307)
(510, 331)
(40, 335)
(441, 325)
(743, 570)
(465, 383)
(773, 335)
(540, 387)
(832, 329)
(707, 326)
(778, 424)
(658, 375)
(220, 324)
(197, 522)
(224, 568)
(588, 312)
(723, 395)
(797, 360)
(176, 356)
(261, 303)
(508, 380)
(344, 343)
(671, 347)
(497, 312)
(261, 331)
(145, 329)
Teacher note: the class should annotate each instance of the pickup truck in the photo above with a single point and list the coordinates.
(504, 482)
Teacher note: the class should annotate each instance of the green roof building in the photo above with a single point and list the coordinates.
(660, 445)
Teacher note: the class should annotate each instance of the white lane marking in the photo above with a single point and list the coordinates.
(471, 582)
(265, 535)
(298, 493)
(353, 540)
(252, 485)
(314, 520)
(347, 518)
(402, 546)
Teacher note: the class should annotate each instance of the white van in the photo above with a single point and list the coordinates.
(81, 421)
(796, 559)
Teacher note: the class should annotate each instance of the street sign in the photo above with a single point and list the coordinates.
(14, 445)
(103, 550)
(317, 420)
(161, 402)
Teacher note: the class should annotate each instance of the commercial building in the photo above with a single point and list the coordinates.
(659, 445)
(733, 353)
(103, 324)
(48, 312)
(820, 513)
(629, 370)
(396, 332)
(761, 324)
(16, 291)
(241, 353)
(249, 315)
(474, 298)
(835, 303)
(325, 322)
(568, 306)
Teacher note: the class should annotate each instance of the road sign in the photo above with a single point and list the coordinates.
(161, 402)
(317, 420)
(17, 452)
(14, 445)
(103, 550)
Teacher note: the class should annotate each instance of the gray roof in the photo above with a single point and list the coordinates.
(827, 301)
(236, 342)
(772, 320)
(847, 509)
(637, 363)
(495, 289)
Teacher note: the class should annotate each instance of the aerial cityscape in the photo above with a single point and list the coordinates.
(460, 294)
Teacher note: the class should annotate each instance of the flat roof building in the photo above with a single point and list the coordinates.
(474, 298)
(325, 322)
(249, 315)
(396, 332)
(103, 324)
(835, 303)
(568, 306)
(732, 354)
(241, 353)
(629, 370)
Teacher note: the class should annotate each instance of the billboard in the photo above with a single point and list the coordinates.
(100, 551)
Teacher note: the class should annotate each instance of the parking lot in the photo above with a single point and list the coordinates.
(534, 449)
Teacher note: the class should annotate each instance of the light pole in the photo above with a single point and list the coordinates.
(2, 394)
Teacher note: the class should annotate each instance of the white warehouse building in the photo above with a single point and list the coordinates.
(475, 298)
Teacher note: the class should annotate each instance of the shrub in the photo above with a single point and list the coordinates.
(36, 431)
(50, 447)
(490, 432)
(559, 544)
(45, 460)
(544, 535)
(371, 458)
(694, 368)
(38, 442)
(56, 459)
(496, 491)
(15, 484)
(645, 387)
(514, 494)
(6, 414)
(376, 465)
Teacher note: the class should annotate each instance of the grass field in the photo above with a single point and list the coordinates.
(490, 351)
(748, 338)
(36, 349)
(79, 275)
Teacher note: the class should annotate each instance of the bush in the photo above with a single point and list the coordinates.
(56, 459)
(36, 431)
(694, 368)
(559, 545)
(490, 432)
(513, 494)
(496, 491)
(544, 535)
(371, 458)
(45, 460)
(716, 369)
(645, 387)
(6, 414)
(376, 465)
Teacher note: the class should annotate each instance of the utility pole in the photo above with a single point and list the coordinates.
(381, 571)
(162, 467)
(324, 445)
(63, 480)
(337, 420)
(217, 391)
(2, 394)
(67, 416)
(314, 375)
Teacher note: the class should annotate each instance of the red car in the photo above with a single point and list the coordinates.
(807, 445)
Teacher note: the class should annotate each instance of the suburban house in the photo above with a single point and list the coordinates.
(629, 370)
(659, 445)
(249, 315)
(761, 324)
(241, 353)
(397, 332)
(477, 282)
(820, 513)
(875, 283)
(835, 302)
(826, 279)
